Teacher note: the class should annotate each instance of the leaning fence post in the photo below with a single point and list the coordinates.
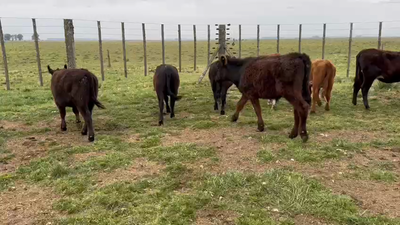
(240, 41)
(323, 41)
(258, 39)
(35, 35)
(300, 29)
(100, 50)
(349, 55)
(278, 36)
(163, 43)
(3, 49)
(180, 47)
(380, 35)
(208, 44)
(195, 48)
(70, 42)
(144, 48)
(124, 48)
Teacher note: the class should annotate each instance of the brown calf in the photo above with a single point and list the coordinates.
(271, 77)
(323, 74)
(76, 88)
(166, 83)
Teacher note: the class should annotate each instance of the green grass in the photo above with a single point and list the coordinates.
(189, 178)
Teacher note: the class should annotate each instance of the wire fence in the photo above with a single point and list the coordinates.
(115, 49)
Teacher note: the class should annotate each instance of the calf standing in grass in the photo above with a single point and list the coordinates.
(374, 64)
(219, 88)
(271, 77)
(166, 83)
(323, 74)
(76, 88)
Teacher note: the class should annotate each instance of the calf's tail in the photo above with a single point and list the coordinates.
(169, 90)
(306, 78)
(93, 92)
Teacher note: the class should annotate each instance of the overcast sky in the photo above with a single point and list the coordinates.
(202, 12)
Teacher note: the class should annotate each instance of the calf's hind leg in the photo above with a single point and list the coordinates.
(62, 115)
(76, 112)
(301, 107)
(257, 109)
(161, 108)
(87, 116)
(166, 103)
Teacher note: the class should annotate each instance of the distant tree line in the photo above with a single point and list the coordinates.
(13, 37)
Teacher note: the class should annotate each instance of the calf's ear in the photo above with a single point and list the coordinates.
(50, 70)
(223, 60)
(65, 66)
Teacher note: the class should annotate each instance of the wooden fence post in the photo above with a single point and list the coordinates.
(100, 50)
(195, 48)
(278, 36)
(380, 35)
(349, 55)
(163, 43)
(35, 35)
(70, 42)
(300, 29)
(208, 45)
(124, 48)
(3, 49)
(144, 48)
(222, 40)
(323, 41)
(258, 40)
(240, 41)
(180, 47)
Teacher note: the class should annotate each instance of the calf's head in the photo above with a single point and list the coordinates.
(51, 71)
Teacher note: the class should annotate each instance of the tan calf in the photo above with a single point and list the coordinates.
(323, 74)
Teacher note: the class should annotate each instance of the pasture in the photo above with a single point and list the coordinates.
(199, 168)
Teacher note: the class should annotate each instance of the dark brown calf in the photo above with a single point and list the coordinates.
(374, 64)
(219, 88)
(76, 88)
(166, 83)
(271, 77)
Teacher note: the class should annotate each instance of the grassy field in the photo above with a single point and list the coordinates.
(199, 168)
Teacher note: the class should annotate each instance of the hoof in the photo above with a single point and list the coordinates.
(168, 110)
(312, 112)
(327, 108)
(354, 102)
(215, 108)
(222, 112)
(63, 129)
(91, 138)
(293, 135)
(304, 138)
(172, 115)
(367, 107)
(260, 127)
(160, 123)
(84, 132)
(319, 103)
(234, 118)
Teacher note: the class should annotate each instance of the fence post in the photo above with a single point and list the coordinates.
(163, 43)
(380, 36)
(144, 48)
(349, 55)
(70, 42)
(180, 47)
(108, 58)
(278, 36)
(240, 41)
(323, 41)
(195, 48)
(258, 40)
(208, 45)
(35, 35)
(300, 29)
(124, 48)
(222, 40)
(100, 50)
(3, 49)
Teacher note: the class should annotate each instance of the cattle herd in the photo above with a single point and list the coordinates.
(292, 76)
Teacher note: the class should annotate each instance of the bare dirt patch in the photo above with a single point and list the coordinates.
(14, 126)
(26, 205)
(140, 168)
(212, 217)
(350, 136)
(27, 148)
(234, 150)
(309, 220)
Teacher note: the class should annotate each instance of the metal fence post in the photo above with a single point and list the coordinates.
(124, 48)
(349, 55)
(180, 47)
(100, 50)
(278, 36)
(323, 41)
(300, 29)
(144, 48)
(35, 36)
(380, 36)
(195, 48)
(3, 49)
(163, 43)
(240, 41)
(258, 40)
